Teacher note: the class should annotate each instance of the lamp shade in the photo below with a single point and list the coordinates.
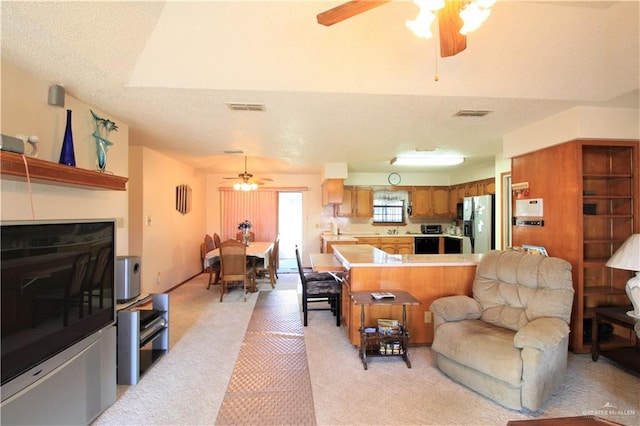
(628, 255)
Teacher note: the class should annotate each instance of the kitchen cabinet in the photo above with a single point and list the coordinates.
(332, 191)
(591, 200)
(440, 201)
(454, 200)
(420, 201)
(357, 202)
(372, 241)
(430, 201)
(471, 189)
(489, 186)
(397, 245)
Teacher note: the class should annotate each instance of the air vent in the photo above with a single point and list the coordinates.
(471, 113)
(233, 151)
(236, 106)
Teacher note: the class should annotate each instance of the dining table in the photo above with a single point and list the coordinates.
(255, 249)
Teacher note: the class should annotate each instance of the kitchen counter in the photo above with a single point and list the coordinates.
(426, 276)
(354, 237)
(332, 238)
(365, 255)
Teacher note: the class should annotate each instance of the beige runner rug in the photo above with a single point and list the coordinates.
(270, 383)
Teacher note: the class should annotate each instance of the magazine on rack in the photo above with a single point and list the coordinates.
(382, 295)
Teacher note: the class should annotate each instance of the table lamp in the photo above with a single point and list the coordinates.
(628, 257)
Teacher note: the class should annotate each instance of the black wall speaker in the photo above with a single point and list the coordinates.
(56, 95)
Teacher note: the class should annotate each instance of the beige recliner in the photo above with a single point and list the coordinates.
(509, 342)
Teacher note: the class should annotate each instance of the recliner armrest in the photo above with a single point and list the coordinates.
(456, 308)
(541, 333)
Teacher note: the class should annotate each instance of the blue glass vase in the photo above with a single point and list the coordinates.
(67, 156)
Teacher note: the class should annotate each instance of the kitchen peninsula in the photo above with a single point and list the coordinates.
(426, 277)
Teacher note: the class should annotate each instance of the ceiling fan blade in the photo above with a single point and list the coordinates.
(449, 21)
(347, 10)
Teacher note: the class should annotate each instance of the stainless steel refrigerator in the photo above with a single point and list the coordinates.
(478, 218)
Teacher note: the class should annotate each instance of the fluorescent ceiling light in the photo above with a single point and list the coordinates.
(432, 160)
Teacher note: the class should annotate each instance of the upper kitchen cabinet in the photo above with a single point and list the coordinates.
(469, 189)
(357, 202)
(591, 199)
(488, 186)
(332, 191)
(430, 201)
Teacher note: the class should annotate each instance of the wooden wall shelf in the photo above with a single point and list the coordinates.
(12, 166)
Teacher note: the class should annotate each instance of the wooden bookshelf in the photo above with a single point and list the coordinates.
(591, 199)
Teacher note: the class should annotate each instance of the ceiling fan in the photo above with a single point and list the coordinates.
(246, 181)
(449, 21)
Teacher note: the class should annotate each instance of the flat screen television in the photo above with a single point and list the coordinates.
(57, 294)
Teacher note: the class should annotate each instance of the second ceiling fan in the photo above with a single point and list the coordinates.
(246, 180)
(450, 23)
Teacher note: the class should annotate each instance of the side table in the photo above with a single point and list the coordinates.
(370, 343)
(627, 356)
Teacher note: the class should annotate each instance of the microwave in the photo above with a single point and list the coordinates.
(431, 229)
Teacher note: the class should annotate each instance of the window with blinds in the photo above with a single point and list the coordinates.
(389, 207)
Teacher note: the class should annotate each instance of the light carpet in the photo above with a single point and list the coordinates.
(187, 386)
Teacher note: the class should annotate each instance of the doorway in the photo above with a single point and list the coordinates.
(290, 229)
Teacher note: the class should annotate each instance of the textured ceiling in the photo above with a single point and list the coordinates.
(361, 91)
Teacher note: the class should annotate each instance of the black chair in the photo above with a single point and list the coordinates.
(100, 271)
(208, 245)
(319, 288)
(72, 294)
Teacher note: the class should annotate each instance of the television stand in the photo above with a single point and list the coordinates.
(143, 336)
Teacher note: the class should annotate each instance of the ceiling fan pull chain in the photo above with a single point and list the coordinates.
(435, 51)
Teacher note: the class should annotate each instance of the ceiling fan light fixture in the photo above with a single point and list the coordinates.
(245, 186)
(428, 160)
(474, 14)
(421, 26)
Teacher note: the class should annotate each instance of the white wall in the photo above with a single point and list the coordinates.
(25, 111)
(575, 123)
(167, 241)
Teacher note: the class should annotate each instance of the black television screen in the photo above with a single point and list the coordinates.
(57, 288)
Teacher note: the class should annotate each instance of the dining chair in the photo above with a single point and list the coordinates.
(216, 240)
(208, 245)
(71, 294)
(272, 266)
(102, 262)
(252, 236)
(235, 267)
(319, 288)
